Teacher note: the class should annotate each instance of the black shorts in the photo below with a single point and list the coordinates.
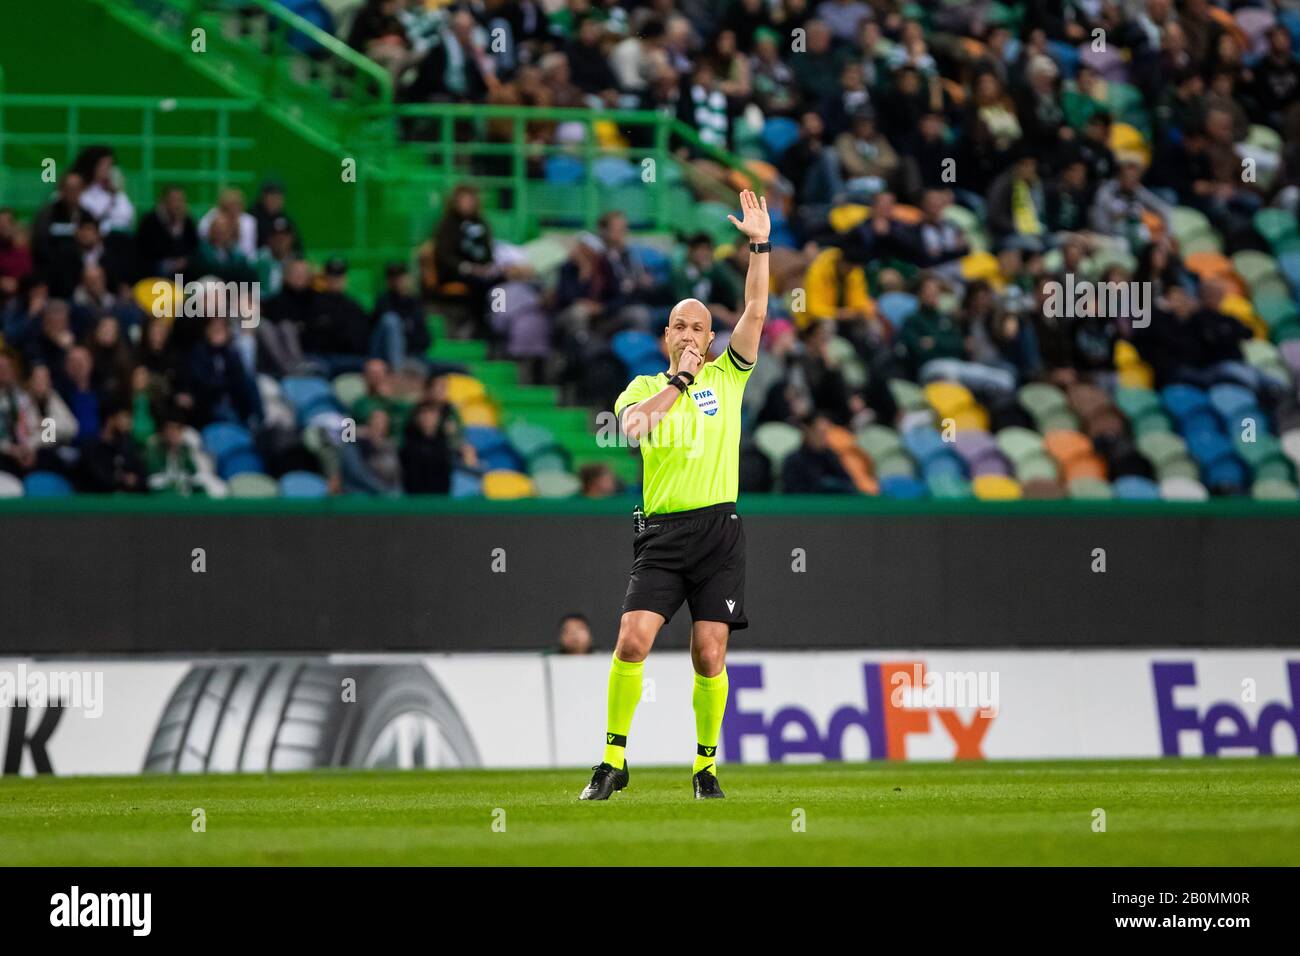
(696, 556)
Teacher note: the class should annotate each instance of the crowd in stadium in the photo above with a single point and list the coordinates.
(933, 169)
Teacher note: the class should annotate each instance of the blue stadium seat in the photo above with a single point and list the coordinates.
(222, 438)
(1207, 448)
(924, 444)
(613, 171)
(1231, 402)
(1184, 400)
(303, 484)
(46, 484)
(633, 347)
(301, 391)
(240, 461)
(466, 484)
(779, 134)
(944, 466)
(903, 486)
(1226, 476)
(896, 307)
(564, 171)
(1136, 488)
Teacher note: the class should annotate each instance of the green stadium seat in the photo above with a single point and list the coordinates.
(1272, 489)
(252, 485)
(1178, 468)
(948, 487)
(1039, 399)
(556, 484)
(1159, 448)
(1091, 489)
(1253, 265)
(1061, 419)
(1276, 226)
(895, 464)
(1019, 444)
(908, 395)
(878, 441)
(1038, 467)
(349, 388)
(776, 440)
(1182, 489)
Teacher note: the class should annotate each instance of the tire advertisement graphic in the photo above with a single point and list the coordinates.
(292, 714)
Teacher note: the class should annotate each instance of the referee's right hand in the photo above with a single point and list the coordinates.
(691, 361)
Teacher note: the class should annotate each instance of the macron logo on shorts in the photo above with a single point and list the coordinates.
(731, 605)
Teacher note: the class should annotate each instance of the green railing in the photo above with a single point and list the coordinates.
(191, 142)
(421, 150)
(309, 75)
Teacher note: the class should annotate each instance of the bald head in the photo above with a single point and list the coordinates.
(689, 323)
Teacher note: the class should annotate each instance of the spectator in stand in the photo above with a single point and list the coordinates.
(70, 260)
(776, 92)
(712, 281)
(337, 332)
(1123, 204)
(456, 69)
(862, 163)
(936, 242)
(15, 257)
(168, 236)
(1017, 207)
(112, 359)
(219, 253)
(597, 481)
(55, 227)
(379, 456)
(111, 462)
(104, 199)
(575, 634)
(54, 338)
(19, 422)
(431, 449)
(462, 248)
(171, 463)
(213, 384)
(230, 205)
(58, 426)
(401, 334)
(270, 215)
(812, 468)
(79, 392)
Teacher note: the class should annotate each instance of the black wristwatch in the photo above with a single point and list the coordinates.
(682, 377)
(760, 247)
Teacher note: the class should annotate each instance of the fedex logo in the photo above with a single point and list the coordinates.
(885, 717)
(1223, 724)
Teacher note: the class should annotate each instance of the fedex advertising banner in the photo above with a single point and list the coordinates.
(514, 710)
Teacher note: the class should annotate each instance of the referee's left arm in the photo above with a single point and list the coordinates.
(757, 227)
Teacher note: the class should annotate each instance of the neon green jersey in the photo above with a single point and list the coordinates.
(692, 454)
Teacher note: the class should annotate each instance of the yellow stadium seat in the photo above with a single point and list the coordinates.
(981, 265)
(1137, 376)
(995, 488)
(478, 413)
(1127, 140)
(608, 136)
(462, 389)
(503, 483)
(949, 399)
(1126, 356)
(849, 216)
(1239, 307)
(975, 418)
(157, 296)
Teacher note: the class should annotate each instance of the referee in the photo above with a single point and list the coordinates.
(690, 544)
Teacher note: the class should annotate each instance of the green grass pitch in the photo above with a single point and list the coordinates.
(1174, 812)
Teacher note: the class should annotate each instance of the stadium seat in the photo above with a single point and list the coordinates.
(1090, 489)
(349, 388)
(1067, 446)
(10, 486)
(502, 484)
(466, 484)
(903, 486)
(252, 485)
(995, 488)
(1273, 490)
(303, 484)
(894, 464)
(1038, 467)
(895, 307)
(464, 388)
(1182, 489)
(923, 444)
(223, 438)
(1133, 488)
(776, 440)
(779, 134)
(948, 398)
(556, 484)
(908, 395)
(878, 441)
(948, 487)
(238, 462)
(302, 391)
(1184, 400)
(1019, 444)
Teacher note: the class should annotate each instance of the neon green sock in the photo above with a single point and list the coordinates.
(620, 705)
(710, 702)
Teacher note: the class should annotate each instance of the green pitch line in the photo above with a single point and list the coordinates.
(1188, 812)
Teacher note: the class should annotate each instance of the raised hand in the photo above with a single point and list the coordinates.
(755, 224)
